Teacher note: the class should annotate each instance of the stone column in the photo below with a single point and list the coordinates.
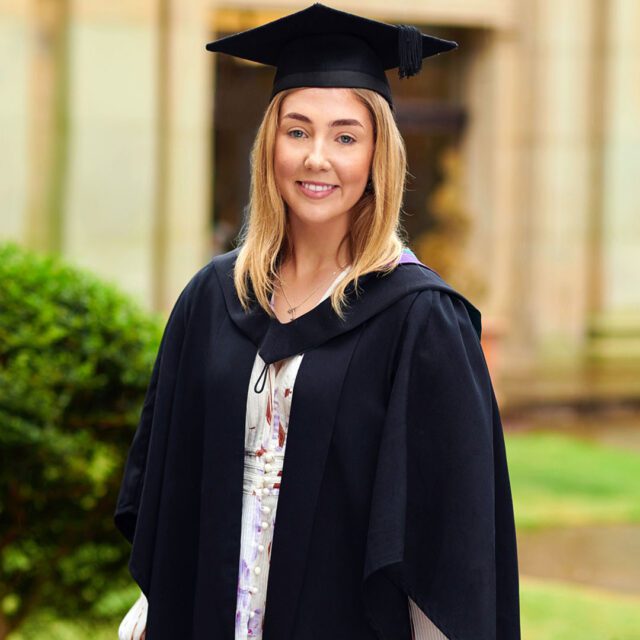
(137, 207)
(184, 134)
(493, 92)
(563, 99)
(616, 323)
(16, 56)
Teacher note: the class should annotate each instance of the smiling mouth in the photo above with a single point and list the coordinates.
(314, 191)
(317, 188)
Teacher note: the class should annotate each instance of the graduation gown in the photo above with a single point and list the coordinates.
(395, 482)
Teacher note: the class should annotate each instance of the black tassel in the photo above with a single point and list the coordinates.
(409, 50)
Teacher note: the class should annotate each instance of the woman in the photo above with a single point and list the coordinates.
(324, 337)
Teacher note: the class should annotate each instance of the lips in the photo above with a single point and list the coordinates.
(316, 190)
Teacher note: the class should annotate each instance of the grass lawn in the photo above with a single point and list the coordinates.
(561, 480)
(42, 627)
(562, 611)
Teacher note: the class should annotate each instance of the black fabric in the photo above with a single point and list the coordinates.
(395, 479)
(449, 541)
(341, 46)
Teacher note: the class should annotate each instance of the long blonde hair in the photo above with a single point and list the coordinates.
(376, 237)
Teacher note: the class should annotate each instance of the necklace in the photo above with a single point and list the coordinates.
(291, 309)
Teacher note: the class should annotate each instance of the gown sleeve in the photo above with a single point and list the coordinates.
(441, 528)
(162, 375)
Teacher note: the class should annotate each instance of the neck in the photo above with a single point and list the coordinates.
(316, 249)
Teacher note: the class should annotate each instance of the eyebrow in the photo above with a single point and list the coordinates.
(344, 122)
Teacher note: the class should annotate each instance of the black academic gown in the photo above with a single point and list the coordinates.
(395, 480)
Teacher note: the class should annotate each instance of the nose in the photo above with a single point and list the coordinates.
(316, 159)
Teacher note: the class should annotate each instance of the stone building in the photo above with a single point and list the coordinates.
(119, 153)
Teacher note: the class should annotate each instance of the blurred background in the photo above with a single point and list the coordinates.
(125, 168)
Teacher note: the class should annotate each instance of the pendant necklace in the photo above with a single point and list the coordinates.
(291, 309)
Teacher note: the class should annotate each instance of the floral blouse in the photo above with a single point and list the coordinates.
(267, 420)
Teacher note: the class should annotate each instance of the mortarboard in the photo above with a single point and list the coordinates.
(325, 47)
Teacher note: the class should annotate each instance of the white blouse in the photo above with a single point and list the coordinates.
(267, 421)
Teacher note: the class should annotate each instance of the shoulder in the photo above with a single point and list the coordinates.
(434, 297)
(441, 345)
(205, 284)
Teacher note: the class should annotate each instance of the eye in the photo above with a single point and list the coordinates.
(351, 139)
(289, 133)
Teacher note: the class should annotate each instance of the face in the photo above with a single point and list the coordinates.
(323, 152)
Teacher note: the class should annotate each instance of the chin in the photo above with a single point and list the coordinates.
(318, 211)
(318, 217)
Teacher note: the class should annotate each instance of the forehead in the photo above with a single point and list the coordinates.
(324, 102)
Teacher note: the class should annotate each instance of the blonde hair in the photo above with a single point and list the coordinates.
(376, 237)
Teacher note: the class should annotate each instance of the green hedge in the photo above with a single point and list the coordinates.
(75, 360)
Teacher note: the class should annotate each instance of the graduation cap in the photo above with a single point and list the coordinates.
(325, 47)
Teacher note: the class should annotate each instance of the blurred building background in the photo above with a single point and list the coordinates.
(125, 147)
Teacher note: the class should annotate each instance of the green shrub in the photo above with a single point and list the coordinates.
(75, 359)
